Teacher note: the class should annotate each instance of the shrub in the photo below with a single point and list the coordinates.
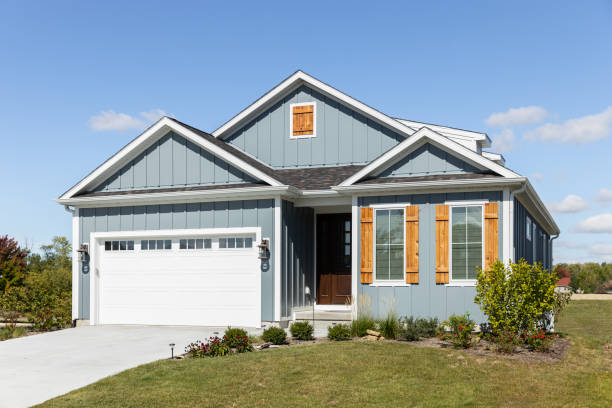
(339, 332)
(516, 298)
(214, 347)
(362, 323)
(233, 337)
(242, 344)
(389, 326)
(506, 342)
(11, 306)
(302, 330)
(460, 330)
(274, 335)
(412, 329)
(7, 333)
(47, 298)
(539, 340)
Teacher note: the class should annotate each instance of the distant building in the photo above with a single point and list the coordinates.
(563, 285)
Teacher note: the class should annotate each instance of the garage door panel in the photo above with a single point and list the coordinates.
(180, 287)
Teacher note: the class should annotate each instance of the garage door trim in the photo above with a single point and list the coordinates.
(96, 248)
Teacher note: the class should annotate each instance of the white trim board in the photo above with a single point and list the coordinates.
(314, 120)
(149, 136)
(425, 135)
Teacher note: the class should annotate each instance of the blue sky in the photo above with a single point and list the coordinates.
(78, 80)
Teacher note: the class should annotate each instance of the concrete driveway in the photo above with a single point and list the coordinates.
(37, 368)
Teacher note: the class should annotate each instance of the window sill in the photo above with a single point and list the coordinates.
(302, 136)
(469, 283)
(389, 283)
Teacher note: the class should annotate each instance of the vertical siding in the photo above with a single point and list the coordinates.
(426, 299)
(173, 161)
(427, 160)
(343, 136)
(539, 248)
(225, 214)
(297, 257)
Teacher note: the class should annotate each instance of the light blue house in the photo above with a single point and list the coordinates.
(306, 196)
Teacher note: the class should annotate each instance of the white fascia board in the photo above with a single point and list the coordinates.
(445, 130)
(237, 193)
(400, 150)
(496, 157)
(293, 82)
(431, 186)
(538, 209)
(156, 131)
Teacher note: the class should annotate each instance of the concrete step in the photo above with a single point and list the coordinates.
(328, 315)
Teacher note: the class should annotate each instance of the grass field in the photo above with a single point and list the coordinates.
(384, 374)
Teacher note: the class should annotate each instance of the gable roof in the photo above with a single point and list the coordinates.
(218, 148)
(293, 82)
(425, 134)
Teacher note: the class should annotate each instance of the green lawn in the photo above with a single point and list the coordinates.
(387, 374)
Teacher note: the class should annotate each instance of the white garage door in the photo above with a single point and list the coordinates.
(183, 280)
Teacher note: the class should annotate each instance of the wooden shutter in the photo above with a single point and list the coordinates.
(303, 120)
(367, 245)
(412, 244)
(442, 242)
(491, 234)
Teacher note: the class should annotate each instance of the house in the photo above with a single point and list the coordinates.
(563, 285)
(306, 196)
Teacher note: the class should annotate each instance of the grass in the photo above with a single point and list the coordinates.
(379, 374)
(7, 334)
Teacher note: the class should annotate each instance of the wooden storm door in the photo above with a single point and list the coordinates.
(333, 259)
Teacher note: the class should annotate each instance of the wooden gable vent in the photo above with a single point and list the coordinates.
(303, 120)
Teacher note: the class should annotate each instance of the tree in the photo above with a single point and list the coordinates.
(12, 263)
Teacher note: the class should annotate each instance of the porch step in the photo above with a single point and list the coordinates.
(305, 313)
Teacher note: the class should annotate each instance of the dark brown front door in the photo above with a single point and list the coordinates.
(333, 259)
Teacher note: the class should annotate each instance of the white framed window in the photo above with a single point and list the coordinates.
(389, 245)
(466, 243)
(302, 120)
(119, 245)
(528, 228)
(155, 244)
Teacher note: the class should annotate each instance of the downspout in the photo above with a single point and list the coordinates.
(70, 210)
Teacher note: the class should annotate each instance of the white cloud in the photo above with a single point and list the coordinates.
(517, 116)
(600, 223)
(570, 204)
(537, 176)
(504, 141)
(111, 120)
(601, 249)
(569, 245)
(578, 130)
(604, 195)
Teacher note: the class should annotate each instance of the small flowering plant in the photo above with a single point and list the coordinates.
(460, 334)
(539, 340)
(242, 344)
(214, 347)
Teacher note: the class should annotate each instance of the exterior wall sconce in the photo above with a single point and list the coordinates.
(83, 252)
(264, 249)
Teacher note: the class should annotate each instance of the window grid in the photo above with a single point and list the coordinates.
(457, 248)
(387, 244)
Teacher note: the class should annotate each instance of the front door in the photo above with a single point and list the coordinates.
(333, 259)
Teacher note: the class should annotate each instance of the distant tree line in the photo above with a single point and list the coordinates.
(589, 277)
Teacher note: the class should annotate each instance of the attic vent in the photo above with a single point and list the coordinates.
(303, 120)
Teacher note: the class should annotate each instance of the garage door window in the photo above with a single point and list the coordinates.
(232, 243)
(118, 245)
(155, 244)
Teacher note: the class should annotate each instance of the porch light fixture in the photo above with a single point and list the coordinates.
(83, 252)
(264, 249)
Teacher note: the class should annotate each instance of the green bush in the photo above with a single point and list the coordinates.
(274, 335)
(412, 329)
(339, 332)
(389, 326)
(302, 330)
(11, 307)
(47, 298)
(362, 323)
(214, 347)
(517, 298)
(234, 336)
(461, 328)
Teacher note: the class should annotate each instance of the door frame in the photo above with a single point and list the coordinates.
(333, 306)
(96, 245)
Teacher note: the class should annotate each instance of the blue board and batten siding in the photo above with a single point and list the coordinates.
(173, 161)
(425, 299)
(221, 214)
(429, 160)
(343, 136)
(539, 248)
(297, 257)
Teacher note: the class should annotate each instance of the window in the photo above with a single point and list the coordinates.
(389, 254)
(466, 242)
(118, 245)
(303, 123)
(528, 228)
(155, 244)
